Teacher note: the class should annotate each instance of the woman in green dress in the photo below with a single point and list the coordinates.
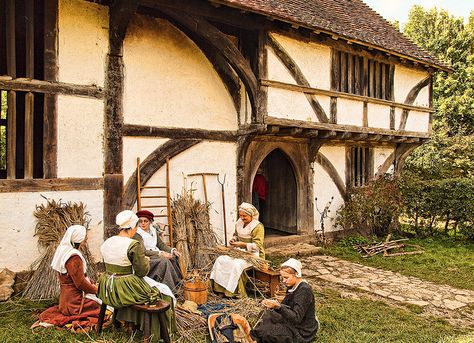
(228, 273)
(125, 283)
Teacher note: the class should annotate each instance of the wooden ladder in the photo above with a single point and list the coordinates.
(159, 190)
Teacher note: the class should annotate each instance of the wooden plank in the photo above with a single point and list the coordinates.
(365, 115)
(358, 77)
(391, 77)
(348, 168)
(57, 184)
(338, 128)
(132, 130)
(30, 39)
(168, 201)
(335, 70)
(11, 38)
(113, 189)
(11, 135)
(378, 80)
(318, 91)
(362, 166)
(350, 74)
(392, 117)
(344, 72)
(51, 87)
(262, 74)
(411, 97)
(333, 110)
(383, 94)
(365, 77)
(29, 127)
(371, 79)
(50, 134)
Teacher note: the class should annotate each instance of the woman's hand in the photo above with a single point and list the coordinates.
(270, 303)
(238, 244)
(166, 255)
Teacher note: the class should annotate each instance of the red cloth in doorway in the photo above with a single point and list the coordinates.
(260, 186)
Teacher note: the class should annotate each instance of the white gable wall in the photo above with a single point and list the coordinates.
(169, 81)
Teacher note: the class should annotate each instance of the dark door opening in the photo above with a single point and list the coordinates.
(280, 206)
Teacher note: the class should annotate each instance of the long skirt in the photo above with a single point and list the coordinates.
(165, 271)
(120, 292)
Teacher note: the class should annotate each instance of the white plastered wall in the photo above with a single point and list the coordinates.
(325, 188)
(83, 42)
(286, 104)
(417, 121)
(205, 157)
(80, 137)
(314, 62)
(380, 156)
(169, 81)
(378, 116)
(407, 78)
(134, 147)
(349, 112)
(19, 247)
(313, 59)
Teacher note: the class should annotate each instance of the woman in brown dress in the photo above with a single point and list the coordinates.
(75, 287)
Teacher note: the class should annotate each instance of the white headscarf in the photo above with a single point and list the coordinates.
(295, 264)
(249, 209)
(126, 219)
(65, 249)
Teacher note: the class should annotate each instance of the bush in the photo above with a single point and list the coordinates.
(442, 203)
(372, 209)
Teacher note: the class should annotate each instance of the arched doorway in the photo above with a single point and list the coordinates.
(279, 213)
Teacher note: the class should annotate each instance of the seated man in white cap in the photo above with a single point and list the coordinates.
(294, 320)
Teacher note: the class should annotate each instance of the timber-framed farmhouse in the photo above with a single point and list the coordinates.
(323, 95)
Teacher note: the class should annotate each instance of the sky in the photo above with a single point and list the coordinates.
(398, 9)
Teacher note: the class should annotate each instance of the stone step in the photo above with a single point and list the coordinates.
(271, 241)
(293, 250)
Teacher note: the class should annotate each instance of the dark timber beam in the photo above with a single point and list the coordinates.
(299, 77)
(223, 45)
(185, 133)
(120, 14)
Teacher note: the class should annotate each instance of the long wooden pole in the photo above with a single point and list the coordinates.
(139, 190)
(168, 201)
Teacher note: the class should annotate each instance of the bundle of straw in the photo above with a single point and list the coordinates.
(255, 261)
(53, 219)
(192, 231)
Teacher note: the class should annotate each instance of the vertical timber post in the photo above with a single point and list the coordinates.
(121, 12)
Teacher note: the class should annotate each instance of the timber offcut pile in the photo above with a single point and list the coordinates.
(53, 219)
(388, 248)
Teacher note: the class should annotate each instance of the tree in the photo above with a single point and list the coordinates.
(439, 175)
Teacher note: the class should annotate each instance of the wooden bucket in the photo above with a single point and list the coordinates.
(196, 291)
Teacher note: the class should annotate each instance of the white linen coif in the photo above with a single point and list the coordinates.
(65, 249)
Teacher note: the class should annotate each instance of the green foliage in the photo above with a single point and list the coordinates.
(431, 202)
(352, 240)
(444, 261)
(452, 41)
(372, 209)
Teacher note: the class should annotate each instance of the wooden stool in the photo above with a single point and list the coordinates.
(160, 308)
(270, 276)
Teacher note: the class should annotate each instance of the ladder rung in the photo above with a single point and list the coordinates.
(145, 187)
(157, 206)
(162, 215)
(153, 196)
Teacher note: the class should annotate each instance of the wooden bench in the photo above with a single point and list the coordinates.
(160, 308)
(271, 277)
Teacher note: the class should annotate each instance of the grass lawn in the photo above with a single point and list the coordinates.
(445, 261)
(342, 320)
